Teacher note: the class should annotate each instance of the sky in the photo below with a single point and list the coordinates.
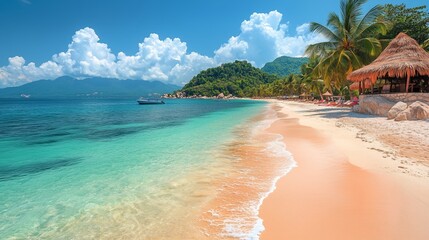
(165, 40)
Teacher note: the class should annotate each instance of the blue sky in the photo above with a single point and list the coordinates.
(151, 40)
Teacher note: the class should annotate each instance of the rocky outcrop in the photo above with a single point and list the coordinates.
(180, 94)
(375, 105)
(419, 111)
(221, 96)
(416, 111)
(396, 109)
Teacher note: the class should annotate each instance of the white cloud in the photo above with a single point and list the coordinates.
(192, 64)
(164, 60)
(86, 56)
(303, 29)
(262, 39)
(17, 73)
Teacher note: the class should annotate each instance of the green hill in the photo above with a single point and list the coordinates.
(239, 78)
(283, 66)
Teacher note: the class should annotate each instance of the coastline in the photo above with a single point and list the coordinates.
(350, 183)
(257, 160)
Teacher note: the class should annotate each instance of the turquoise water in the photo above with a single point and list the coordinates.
(108, 168)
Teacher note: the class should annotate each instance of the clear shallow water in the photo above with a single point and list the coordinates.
(111, 168)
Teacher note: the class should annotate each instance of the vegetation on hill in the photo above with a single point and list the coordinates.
(239, 78)
(284, 66)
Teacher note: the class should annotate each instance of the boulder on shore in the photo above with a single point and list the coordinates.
(419, 110)
(402, 116)
(220, 96)
(375, 105)
(396, 109)
(416, 111)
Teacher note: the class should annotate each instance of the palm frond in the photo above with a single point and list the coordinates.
(425, 45)
(319, 28)
(368, 20)
(372, 30)
(350, 12)
(335, 23)
(320, 49)
(371, 47)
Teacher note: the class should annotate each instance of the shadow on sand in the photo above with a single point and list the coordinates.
(335, 112)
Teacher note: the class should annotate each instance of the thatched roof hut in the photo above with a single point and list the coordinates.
(367, 85)
(402, 58)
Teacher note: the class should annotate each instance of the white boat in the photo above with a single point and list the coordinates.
(149, 101)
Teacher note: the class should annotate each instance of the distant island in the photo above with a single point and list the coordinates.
(284, 66)
(68, 87)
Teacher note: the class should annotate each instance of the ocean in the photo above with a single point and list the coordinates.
(113, 169)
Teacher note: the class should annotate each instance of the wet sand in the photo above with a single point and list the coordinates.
(255, 163)
(345, 186)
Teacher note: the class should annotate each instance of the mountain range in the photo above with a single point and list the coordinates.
(68, 87)
(283, 66)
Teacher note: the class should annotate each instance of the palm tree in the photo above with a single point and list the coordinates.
(313, 82)
(296, 83)
(352, 42)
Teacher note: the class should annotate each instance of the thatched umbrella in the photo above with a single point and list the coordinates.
(327, 94)
(403, 57)
(303, 95)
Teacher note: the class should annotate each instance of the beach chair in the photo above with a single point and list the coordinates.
(346, 104)
(355, 101)
(320, 102)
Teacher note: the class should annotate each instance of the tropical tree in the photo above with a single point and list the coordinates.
(313, 83)
(351, 42)
(412, 21)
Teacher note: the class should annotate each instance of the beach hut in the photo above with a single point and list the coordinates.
(403, 64)
(367, 84)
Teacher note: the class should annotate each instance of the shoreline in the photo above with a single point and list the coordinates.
(261, 158)
(351, 186)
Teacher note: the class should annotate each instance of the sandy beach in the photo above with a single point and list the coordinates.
(357, 176)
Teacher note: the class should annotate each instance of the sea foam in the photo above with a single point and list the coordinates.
(275, 148)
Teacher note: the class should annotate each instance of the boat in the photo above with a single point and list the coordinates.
(149, 101)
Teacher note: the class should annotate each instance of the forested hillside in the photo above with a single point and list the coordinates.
(239, 78)
(283, 66)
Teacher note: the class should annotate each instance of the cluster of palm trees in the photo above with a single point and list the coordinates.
(353, 40)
